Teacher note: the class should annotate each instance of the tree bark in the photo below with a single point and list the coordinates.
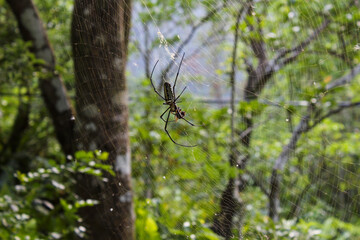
(303, 127)
(258, 77)
(230, 200)
(21, 123)
(230, 204)
(100, 35)
(51, 85)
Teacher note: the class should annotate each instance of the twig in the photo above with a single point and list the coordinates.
(301, 128)
(300, 47)
(343, 45)
(345, 79)
(21, 123)
(341, 107)
(232, 84)
(208, 42)
(186, 41)
(258, 183)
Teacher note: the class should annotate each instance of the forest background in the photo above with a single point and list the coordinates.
(272, 88)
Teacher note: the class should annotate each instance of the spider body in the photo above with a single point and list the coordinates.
(168, 94)
(169, 97)
(170, 100)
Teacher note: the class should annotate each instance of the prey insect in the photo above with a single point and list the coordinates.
(170, 99)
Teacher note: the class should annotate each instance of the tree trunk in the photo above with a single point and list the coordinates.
(258, 76)
(276, 177)
(100, 34)
(230, 200)
(51, 84)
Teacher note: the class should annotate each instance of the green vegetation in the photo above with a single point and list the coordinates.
(178, 191)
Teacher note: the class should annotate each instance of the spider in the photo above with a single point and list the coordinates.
(170, 100)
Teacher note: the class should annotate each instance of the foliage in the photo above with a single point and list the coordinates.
(42, 204)
(178, 190)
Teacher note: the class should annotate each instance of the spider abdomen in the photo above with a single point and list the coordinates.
(168, 94)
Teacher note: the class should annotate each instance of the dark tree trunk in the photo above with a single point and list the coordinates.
(100, 34)
(274, 196)
(230, 205)
(21, 123)
(303, 127)
(258, 76)
(230, 200)
(51, 84)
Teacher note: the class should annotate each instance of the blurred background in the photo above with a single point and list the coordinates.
(272, 88)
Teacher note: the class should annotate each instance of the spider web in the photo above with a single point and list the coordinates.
(178, 190)
(304, 177)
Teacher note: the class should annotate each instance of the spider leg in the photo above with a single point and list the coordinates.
(152, 81)
(177, 74)
(180, 94)
(167, 120)
(188, 122)
(185, 119)
(164, 113)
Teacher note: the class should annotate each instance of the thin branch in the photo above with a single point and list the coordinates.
(341, 107)
(242, 134)
(232, 84)
(258, 183)
(230, 201)
(193, 30)
(210, 40)
(328, 52)
(345, 79)
(257, 44)
(302, 127)
(296, 206)
(51, 85)
(20, 125)
(301, 46)
(249, 65)
(147, 53)
(266, 69)
(343, 46)
(282, 59)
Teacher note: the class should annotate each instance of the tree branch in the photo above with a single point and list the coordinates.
(328, 52)
(232, 84)
(230, 201)
(295, 209)
(265, 70)
(343, 46)
(302, 127)
(210, 40)
(20, 125)
(165, 72)
(341, 107)
(258, 183)
(51, 85)
(300, 47)
(345, 79)
(257, 44)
